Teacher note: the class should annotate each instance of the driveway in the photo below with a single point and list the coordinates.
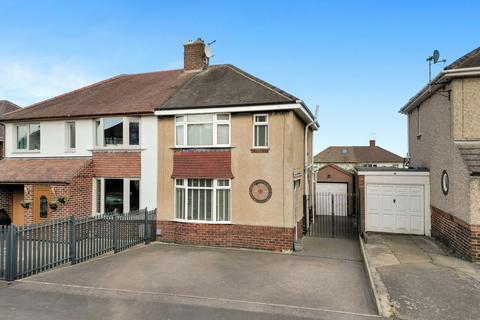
(421, 280)
(181, 282)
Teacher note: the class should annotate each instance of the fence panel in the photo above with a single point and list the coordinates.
(31, 249)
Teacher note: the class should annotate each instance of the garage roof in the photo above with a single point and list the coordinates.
(471, 155)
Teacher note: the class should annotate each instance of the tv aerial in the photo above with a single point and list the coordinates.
(433, 59)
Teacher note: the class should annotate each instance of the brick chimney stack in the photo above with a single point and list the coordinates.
(194, 58)
(372, 143)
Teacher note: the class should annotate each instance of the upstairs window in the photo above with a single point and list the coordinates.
(28, 136)
(117, 132)
(260, 131)
(71, 136)
(419, 133)
(202, 130)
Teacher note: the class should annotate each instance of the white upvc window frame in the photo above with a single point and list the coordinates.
(15, 133)
(214, 189)
(126, 194)
(68, 147)
(99, 136)
(215, 123)
(257, 123)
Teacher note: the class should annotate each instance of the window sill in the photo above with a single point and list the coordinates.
(260, 150)
(201, 222)
(25, 151)
(202, 147)
(117, 149)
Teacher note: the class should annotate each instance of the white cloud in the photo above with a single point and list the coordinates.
(26, 82)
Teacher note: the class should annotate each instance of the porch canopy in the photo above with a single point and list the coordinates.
(40, 170)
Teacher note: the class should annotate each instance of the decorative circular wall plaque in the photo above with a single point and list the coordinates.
(445, 182)
(260, 191)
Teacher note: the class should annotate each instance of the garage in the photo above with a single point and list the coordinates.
(326, 187)
(395, 200)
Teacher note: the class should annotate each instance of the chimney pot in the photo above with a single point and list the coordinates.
(372, 143)
(194, 58)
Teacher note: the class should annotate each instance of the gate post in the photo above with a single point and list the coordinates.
(145, 236)
(73, 240)
(114, 233)
(11, 253)
(333, 216)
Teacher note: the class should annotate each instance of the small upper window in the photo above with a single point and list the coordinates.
(344, 151)
(117, 132)
(202, 130)
(71, 136)
(260, 131)
(419, 133)
(28, 136)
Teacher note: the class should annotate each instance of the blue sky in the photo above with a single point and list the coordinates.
(359, 60)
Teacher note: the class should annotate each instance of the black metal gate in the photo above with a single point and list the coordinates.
(335, 215)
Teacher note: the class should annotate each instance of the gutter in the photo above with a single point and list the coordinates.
(435, 85)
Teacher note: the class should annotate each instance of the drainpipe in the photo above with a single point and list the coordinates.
(307, 167)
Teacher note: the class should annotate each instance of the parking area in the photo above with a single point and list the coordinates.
(183, 279)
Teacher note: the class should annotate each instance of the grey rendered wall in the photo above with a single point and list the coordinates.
(435, 149)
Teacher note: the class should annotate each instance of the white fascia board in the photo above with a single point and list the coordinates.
(393, 173)
(297, 107)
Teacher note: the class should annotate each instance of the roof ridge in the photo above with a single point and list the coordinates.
(66, 94)
(265, 84)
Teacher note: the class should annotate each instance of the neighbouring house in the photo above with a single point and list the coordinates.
(5, 107)
(444, 137)
(225, 157)
(349, 157)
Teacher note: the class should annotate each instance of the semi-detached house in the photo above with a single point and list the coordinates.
(224, 156)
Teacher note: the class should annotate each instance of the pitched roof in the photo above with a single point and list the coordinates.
(226, 85)
(356, 154)
(218, 85)
(471, 156)
(5, 107)
(40, 170)
(469, 60)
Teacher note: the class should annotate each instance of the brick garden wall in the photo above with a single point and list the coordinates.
(226, 235)
(463, 238)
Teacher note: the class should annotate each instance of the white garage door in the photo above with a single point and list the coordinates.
(323, 187)
(395, 208)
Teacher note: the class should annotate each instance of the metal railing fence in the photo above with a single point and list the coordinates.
(35, 248)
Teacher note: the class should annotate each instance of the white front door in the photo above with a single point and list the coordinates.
(395, 208)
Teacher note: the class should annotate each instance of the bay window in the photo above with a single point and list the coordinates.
(202, 130)
(27, 136)
(260, 130)
(202, 200)
(117, 132)
(116, 195)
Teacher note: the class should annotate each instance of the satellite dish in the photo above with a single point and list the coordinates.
(436, 56)
(208, 51)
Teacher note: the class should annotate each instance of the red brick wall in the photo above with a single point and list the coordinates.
(361, 194)
(117, 164)
(6, 199)
(78, 192)
(462, 237)
(332, 174)
(226, 235)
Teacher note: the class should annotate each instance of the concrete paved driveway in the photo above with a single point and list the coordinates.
(181, 282)
(421, 280)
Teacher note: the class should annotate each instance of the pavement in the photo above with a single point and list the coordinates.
(421, 280)
(162, 281)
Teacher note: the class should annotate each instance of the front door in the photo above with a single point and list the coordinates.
(18, 212)
(42, 196)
